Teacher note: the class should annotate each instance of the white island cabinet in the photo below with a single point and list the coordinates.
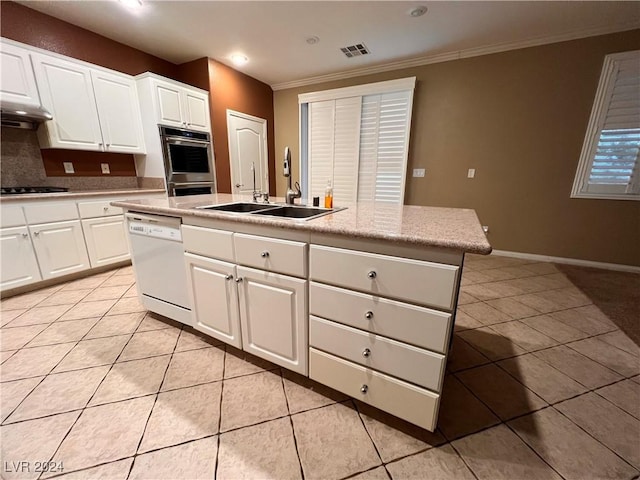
(19, 265)
(361, 309)
(257, 309)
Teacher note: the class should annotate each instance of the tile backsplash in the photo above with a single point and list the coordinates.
(21, 164)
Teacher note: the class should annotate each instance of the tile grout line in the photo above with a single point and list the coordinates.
(219, 434)
(293, 430)
(155, 401)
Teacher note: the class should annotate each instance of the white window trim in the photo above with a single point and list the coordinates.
(605, 83)
(359, 90)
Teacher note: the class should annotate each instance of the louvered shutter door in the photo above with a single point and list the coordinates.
(384, 139)
(346, 136)
(614, 152)
(321, 128)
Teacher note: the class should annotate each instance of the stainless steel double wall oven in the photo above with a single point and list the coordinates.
(188, 161)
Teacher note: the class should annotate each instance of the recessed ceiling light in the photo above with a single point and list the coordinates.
(418, 11)
(239, 59)
(21, 112)
(313, 40)
(131, 3)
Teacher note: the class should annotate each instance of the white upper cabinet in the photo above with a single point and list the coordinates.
(17, 81)
(67, 93)
(118, 112)
(92, 109)
(175, 104)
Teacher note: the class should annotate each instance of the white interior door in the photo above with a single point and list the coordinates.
(247, 148)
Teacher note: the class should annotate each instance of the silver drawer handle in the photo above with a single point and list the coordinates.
(239, 279)
(366, 353)
(228, 277)
(372, 274)
(264, 254)
(368, 315)
(364, 389)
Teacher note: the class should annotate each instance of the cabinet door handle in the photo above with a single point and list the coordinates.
(364, 388)
(228, 277)
(368, 315)
(25, 235)
(36, 233)
(106, 209)
(238, 185)
(372, 274)
(366, 353)
(264, 254)
(239, 279)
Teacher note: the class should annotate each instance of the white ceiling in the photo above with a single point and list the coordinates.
(273, 34)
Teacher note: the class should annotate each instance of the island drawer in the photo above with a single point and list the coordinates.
(208, 242)
(407, 362)
(399, 398)
(12, 216)
(272, 254)
(98, 208)
(416, 281)
(50, 212)
(408, 323)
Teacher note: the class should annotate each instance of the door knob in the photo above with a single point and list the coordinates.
(228, 277)
(238, 185)
(372, 274)
(368, 315)
(264, 254)
(366, 353)
(239, 279)
(364, 388)
(25, 235)
(36, 233)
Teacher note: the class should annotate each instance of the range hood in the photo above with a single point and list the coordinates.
(23, 116)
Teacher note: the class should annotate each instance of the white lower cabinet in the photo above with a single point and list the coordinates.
(273, 317)
(214, 300)
(60, 248)
(106, 240)
(19, 265)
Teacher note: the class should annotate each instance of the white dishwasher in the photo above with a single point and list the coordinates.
(158, 262)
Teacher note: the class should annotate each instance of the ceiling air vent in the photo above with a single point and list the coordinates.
(355, 50)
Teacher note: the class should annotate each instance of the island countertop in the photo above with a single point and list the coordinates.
(452, 228)
(72, 194)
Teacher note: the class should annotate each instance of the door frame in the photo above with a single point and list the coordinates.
(246, 116)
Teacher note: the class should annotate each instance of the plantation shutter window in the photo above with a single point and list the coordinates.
(609, 165)
(357, 137)
(384, 135)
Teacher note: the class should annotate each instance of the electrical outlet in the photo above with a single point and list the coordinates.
(471, 173)
(105, 168)
(68, 167)
(418, 172)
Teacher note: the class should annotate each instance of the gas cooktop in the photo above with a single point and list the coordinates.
(21, 190)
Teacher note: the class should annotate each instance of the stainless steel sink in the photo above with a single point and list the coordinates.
(299, 212)
(239, 207)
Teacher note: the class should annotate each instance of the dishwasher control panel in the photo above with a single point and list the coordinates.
(155, 231)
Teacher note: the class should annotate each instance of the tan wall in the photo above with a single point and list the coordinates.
(518, 118)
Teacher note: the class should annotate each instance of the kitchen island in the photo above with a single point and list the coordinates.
(362, 300)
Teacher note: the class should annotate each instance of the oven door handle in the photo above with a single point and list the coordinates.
(183, 141)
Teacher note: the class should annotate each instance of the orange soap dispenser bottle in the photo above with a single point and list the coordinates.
(328, 195)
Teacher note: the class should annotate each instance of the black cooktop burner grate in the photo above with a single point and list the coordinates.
(21, 190)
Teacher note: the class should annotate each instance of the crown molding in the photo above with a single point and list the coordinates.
(446, 57)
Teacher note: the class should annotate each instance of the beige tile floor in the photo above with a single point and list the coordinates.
(540, 384)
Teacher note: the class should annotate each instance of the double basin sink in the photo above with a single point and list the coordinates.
(299, 212)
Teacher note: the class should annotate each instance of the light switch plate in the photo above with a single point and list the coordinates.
(471, 173)
(68, 167)
(105, 168)
(418, 172)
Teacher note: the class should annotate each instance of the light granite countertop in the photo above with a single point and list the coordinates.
(453, 228)
(78, 194)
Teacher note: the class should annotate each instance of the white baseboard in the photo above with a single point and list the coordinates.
(568, 261)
